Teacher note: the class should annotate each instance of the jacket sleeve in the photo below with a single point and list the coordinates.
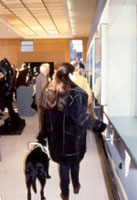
(42, 138)
(76, 111)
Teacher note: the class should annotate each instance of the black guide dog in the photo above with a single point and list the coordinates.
(37, 167)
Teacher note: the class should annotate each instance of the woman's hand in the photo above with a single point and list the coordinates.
(104, 133)
(1, 75)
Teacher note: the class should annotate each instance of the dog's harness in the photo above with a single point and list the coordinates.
(43, 148)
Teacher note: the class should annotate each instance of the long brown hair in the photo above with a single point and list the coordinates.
(56, 94)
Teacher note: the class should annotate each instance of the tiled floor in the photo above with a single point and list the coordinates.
(13, 150)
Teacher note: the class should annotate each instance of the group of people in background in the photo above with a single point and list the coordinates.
(42, 81)
(63, 119)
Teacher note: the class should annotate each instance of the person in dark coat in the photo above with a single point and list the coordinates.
(66, 121)
(21, 77)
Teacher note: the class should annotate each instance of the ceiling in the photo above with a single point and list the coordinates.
(46, 18)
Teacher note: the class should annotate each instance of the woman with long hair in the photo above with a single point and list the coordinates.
(66, 121)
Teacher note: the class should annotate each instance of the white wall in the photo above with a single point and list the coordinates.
(122, 60)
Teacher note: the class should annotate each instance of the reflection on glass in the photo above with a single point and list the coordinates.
(97, 90)
(76, 50)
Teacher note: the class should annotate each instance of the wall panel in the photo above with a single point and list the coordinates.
(50, 56)
(51, 50)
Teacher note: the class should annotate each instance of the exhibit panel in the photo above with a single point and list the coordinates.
(118, 94)
(121, 150)
(24, 101)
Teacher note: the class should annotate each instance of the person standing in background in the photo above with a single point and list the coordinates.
(21, 76)
(81, 80)
(1, 77)
(81, 69)
(41, 83)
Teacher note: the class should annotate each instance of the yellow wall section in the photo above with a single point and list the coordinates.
(9, 49)
(45, 50)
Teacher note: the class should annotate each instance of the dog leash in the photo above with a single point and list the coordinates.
(43, 148)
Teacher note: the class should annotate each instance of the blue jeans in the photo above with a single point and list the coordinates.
(65, 178)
